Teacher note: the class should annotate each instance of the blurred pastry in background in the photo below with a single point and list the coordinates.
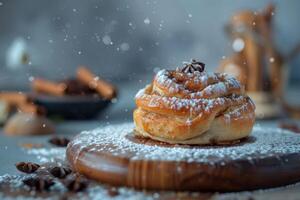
(21, 102)
(4, 111)
(21, 124)
(26, 117)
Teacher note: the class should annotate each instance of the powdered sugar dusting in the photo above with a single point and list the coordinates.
(45, 155)
(194, 93)
(162, 78)
(95, 190)
(269, 142)
(98, 191)
(192, 105)
(207, 84)
(140, 93)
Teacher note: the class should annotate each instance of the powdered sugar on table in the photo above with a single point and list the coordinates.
(266, 142)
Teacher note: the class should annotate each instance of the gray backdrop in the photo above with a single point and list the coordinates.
(126, 40)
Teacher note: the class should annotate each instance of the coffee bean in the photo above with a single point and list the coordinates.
(112, 191)
(76, 184)
(38, 183)
(27, 167)
(59, 141)
(60, 172)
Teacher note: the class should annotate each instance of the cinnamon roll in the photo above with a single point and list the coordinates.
(191, 106)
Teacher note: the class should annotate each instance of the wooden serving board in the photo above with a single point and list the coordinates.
(268, 158)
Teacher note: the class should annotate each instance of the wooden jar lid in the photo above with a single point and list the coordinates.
(268, 158)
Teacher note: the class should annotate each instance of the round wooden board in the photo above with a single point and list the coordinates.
(268, 158)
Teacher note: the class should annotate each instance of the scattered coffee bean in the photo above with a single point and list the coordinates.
(60, 172)
(38, 183)
(27, 167)
(59, 141)
(76, 184)
(112, 191)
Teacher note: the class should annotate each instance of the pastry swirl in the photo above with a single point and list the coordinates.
(193, 108)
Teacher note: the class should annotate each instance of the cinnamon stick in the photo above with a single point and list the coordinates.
(48, 87)
(105, 89)
(14, 98)
(22, 103)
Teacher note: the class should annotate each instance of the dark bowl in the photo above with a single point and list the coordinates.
(71, 107)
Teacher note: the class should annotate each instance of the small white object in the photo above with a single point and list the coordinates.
(147, 21)
(106, 40)
(31, 78)
(238, 45)
(17, 55)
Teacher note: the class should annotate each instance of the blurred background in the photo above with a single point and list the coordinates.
(125, 42)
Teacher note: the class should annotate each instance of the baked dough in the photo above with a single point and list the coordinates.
(24, 124)
(193, 108)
